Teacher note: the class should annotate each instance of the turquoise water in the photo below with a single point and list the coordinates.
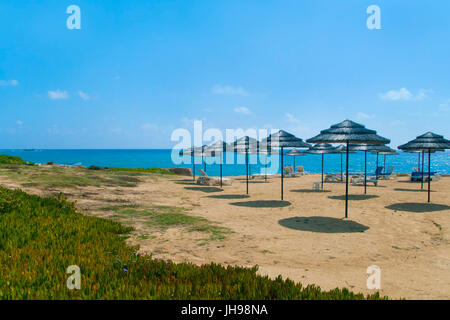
(161, 158)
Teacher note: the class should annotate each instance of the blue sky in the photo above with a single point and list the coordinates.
(137, 70)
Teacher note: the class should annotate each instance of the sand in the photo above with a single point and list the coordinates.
(306, 238)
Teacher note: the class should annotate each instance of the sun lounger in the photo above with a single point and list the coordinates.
(261, 175)
(417, 176)
(317, 185)
(289, 172)
(301, 170)
(204, 179)
(330, 177)
(360, 179)
(388, 174)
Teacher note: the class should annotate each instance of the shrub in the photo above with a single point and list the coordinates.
(41, 237)
(143, 170)
(5, 159)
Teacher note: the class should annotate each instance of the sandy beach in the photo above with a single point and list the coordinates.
(305, 237)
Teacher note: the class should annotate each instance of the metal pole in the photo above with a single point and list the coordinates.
(282, 173)
(246, 167)
(221, 160)
(193, 166)
(384, 164)
(342, 175)
(322, 171)
(294, 165)
(346, 184)
(429, 173)
(365, 172)
(423, 158)
(376, 169)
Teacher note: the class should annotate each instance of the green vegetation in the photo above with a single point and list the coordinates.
(5, 159)
(41, 237)
(163, 217)
(58, 177)
(143, 170)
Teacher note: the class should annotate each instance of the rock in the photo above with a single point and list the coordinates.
(97, 168)
(182, 171)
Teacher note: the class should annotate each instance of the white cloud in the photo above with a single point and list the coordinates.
(58, 95)
(12, 83)
(242, 110)
(364, 116)
(229, 90)
(84, 95)
(19, 122)
(405, 94)
(291, 119)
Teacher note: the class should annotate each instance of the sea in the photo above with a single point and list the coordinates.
(234, 164)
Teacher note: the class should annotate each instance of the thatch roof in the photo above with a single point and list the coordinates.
(321, 148)
(428, 141)
(294, 152)
(348, 131)
(283, 139)
(370, 147)
(342, 149)
(244, 144)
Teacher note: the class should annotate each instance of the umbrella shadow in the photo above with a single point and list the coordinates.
(192, 183)
(412, 190)
(418, 207)
(355, 197)
(322, 225)
(262, 204)
(204, 189)
(229, 196)
(310, 190)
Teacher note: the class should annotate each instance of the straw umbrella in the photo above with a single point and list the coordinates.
(370, 148)
(321, 148)
(348, 132)
(192, 151)
(385, 153)
(294, 152)
(244, 145)
(341, 149)
(283, 139)
(218, 148)
(428, 142)
(266, 153)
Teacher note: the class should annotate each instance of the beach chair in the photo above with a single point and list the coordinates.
(360, 179)
(388, 174)
(417, 176)
(289, 172)
(204, 179)
(301, 170)
(330, 177)
(317, 185)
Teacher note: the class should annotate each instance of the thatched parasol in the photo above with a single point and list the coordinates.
(244, 145)
(370, 148)
(217, 149)
(293, 153)
(282, 139)
(321, 148)
(428, 142)
(348, 132)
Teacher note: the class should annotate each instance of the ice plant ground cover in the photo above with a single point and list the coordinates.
(40, 237)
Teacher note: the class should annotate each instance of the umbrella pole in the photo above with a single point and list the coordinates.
(221, 160)
(376, 169)
(265, 171)
(429, 173)
(346, 184)
(246, 167)
(342, 175)
(294, 164)
(384, 164)
(365, 172)
(322, 171)
(204, 164)
(282, 173)
(423, 158)
(193, 166)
